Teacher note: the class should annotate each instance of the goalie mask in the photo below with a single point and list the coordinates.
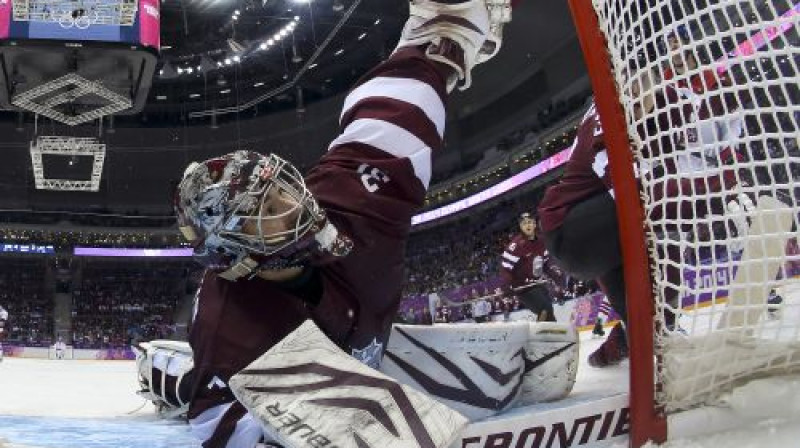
(245, 212)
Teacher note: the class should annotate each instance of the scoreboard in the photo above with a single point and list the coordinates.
(135, 22)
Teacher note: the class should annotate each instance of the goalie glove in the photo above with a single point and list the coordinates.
(164, 369)
(461, 35)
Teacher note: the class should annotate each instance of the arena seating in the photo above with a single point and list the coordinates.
(22, 294)
(122, 302)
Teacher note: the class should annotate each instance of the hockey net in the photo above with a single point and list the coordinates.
(704, 99)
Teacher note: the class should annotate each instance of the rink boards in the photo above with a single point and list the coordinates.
(567, 423)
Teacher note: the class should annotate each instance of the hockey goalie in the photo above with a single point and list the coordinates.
(304, 276)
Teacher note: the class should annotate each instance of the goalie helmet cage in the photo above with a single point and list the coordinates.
(747, 49)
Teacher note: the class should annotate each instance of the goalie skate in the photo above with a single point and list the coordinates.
(462, 35)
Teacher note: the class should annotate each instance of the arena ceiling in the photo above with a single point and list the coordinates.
(184, 115)
(326, 46)
(217, 54)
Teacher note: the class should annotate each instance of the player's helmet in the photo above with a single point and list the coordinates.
(216, 198)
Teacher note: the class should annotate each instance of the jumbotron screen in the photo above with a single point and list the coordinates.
(90, 20)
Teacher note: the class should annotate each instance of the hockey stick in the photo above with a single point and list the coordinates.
(763, 255)
(500, 294)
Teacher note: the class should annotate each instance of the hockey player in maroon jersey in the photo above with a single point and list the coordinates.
(578, 214)
(281, 249)
(707, 142)
(524, 265)
(579, 225)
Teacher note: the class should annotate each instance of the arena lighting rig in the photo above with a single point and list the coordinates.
(77, 61)
(49, 98)
(67, 146)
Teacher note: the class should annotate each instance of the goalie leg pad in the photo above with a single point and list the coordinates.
(551, 364)
(763, 255)
(308, 392)
(475, 369)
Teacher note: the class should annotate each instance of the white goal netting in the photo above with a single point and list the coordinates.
(711, 100)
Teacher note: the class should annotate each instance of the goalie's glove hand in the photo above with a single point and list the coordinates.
(165, 370)
(459, 34)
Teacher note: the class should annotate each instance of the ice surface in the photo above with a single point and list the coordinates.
(77, 404)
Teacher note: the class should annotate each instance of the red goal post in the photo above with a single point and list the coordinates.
(647, 423)
(739, 97)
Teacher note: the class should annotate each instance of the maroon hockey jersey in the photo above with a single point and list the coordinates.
(370, 183)
(516, 268)
(706, 145)
(585, 175)
(706, 132)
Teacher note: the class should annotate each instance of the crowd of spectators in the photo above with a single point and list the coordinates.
(465, 255)
(98, 217)
(550, 117)
(22, 294)
(65, 240)
(449, 257)
(124, 303)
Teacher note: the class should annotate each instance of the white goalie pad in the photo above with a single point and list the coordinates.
(162, 367)
(475, 369)
(308, 392)
(483, 369)
(551, 364)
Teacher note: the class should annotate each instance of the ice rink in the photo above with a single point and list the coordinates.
(83, 404)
